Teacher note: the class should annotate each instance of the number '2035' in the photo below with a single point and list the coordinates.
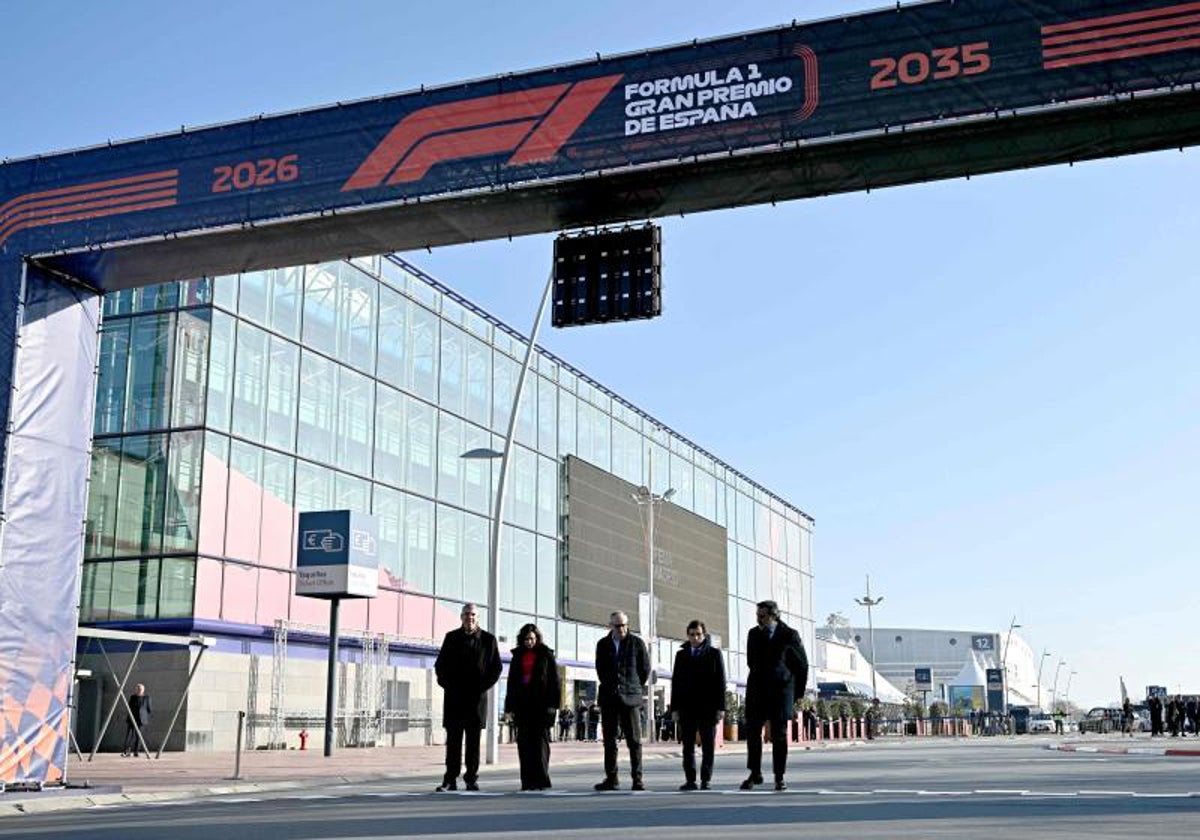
(914, 68)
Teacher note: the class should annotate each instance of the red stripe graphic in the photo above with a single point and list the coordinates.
(1115, 37)
(812, 84)
(1162, 11)
(562, 122)
(88, 201)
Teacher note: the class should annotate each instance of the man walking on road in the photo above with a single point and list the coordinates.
(778, 675)
(140, 713)
(467, 666)
(623, 665)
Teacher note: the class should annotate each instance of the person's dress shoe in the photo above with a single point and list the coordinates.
(637, 785)
(472, 786)
(607, 784)
(704, 786)
(780, 784)
(445, 786)
(688, 786)
(752, 780)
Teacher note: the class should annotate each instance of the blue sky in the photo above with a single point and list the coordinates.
(986, 392)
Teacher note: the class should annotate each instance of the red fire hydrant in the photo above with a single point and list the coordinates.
(303, 739)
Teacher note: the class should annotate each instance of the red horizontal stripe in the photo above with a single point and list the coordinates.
(110, 208)
(97, 185)
(1163, 11)
(1120, 30)
(91, 201)
(1110, 43)
(1130, 53)
(63, 200)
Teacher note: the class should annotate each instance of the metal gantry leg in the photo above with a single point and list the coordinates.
(179, 705)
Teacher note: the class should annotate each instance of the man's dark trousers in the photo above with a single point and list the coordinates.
(688, 728)
(455, 732)
(629, 719)
(779, 747)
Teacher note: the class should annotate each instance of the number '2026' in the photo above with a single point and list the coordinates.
(915, 68)
(256, 173)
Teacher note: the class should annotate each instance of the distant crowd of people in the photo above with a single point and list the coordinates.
(469, 664)
(1176, 713)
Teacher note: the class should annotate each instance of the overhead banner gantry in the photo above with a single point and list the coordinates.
(911, 93)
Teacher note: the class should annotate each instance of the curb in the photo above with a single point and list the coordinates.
(1156, 751)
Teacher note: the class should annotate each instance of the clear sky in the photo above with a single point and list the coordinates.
(986, 392)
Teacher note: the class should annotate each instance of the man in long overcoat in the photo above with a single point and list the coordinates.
(778, 674)
(468, 664)
(623, 665)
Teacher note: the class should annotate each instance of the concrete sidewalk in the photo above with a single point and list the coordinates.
(113, 779)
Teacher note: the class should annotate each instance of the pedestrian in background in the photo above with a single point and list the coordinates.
(140, 712)
(532, 704)
(1127, 717)
(778, 674)
(467, 665)
(565, 718)
(698, 702)
(1156, 715)
(623, 665)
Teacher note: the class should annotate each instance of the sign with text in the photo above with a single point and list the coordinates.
(924, 679)
(995, 689)
(337, 555)
(983, 644)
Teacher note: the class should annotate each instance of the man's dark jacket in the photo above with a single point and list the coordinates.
(698, 683)
(140, 706)
(622, 679)
(467, 666)
(778, 673)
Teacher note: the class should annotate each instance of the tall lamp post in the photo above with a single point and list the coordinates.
(649, 500)
(1045, 656)
(505, 456)
(1067, 701)
(1054, 688)
(1012, 625)
(869, 602)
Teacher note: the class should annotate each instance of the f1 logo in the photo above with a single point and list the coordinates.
(533, 124)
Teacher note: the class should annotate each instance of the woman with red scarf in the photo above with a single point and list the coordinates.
(532, 703)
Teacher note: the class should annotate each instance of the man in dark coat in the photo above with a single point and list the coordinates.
(623, 665)
(778, 674)
(532, 702)
(140, 714)
(467, 666)
(698, 701)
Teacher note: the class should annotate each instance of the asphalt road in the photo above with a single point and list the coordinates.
(975, 789)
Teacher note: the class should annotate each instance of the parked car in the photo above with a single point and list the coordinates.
(1041, 723)
(1102, 721)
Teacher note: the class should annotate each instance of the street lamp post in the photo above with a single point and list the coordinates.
(869, 602)
(1054, 688)
(1045, 656)
(649, 500)
(1012, 625)
(1067, 701)
(505, 456)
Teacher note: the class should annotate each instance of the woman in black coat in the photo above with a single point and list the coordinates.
(698, 701)
(532, 703)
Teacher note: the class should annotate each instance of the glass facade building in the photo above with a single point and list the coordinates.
(226, 405)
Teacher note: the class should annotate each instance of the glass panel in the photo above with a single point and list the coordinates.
(118, 303)
(225, 291)
(389, 435)
(706, 494)
(421, 420)
(196, 292)
(125, 599)
(355, 418)
(314, 487)
(523, 489)
(566, 424)
(112, 373)
(286, 288)
(155, 298)
(450, 461)
(182, 518)
(681, 480)
(393, 336)
(479, 381)
(524, 571)
(243, 527)
(627, 453)
(449, 559)
(320, 308)
(504, 379)
(477, 472)
(178, 582)
(388, 507)
(356, 317)
(318, 394)
(475, 558)
(95, 592)
(220, 372)
(547, 497)
(254, 296)
(101, 526)
(351, 493)
(418, 544)
(282, 372)
(453, 379)
(141, 495)
(547, 577)
(149, 373)
(278, 513)
(422, 353)
(250, 383)
(547, 413)
(191, 368)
